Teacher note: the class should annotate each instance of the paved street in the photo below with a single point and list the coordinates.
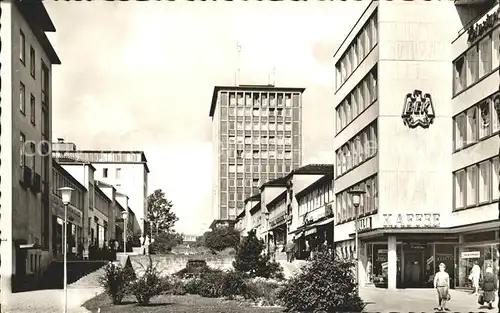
(418, 300)
(51, 301)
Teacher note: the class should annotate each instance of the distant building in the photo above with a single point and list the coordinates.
(26, 59)
(257, 136)
(127, 171)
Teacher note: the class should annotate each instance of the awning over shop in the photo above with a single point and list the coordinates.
(310, 231)
(311, 228)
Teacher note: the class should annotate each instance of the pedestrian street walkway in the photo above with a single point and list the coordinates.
(419, 300)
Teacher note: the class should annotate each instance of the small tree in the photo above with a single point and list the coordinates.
(222, 238)
(312, 291)
(148, 285)
(116, 281)
(160, 213)
(250, 259)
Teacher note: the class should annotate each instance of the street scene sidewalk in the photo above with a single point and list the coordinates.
(418, 300)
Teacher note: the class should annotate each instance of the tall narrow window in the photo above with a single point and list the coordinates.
(118, 173)
(472, 125)
(32, 62)
(22, 47)
(460, 122)
(485, 119)
(22, 98)
(495, 178)
(495, 113)
(459, 81)
(485, 56)
(22, 146)
(44, 121)
(472, 180)
(495, 47)
(472, 63)
(32, 110)
(484, 181)
(460, 189)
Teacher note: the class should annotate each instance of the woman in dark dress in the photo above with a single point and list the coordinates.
(490, 283)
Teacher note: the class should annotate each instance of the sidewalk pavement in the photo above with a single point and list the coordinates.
(419, 300)
(50, 301)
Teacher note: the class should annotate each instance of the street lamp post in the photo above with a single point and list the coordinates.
(356, 199)
(125, 224)
(66, 198)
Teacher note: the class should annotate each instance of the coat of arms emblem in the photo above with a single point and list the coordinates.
(418, 110)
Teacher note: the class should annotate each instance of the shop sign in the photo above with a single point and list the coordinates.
(278, 220)
(415, 246)
(471, 255)
(477, 30)
(424, 220)
(365, 223)
(73, 213)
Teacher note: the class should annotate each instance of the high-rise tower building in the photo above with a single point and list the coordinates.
(257, 136)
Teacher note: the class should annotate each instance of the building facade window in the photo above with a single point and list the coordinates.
(22, 47)
(22, 151)
(480, 60)
(32, 109)
(32, 62)
(357, 101)
(476, 123)
(345, 211)
(359, 48)
(357, 150)
(22, 98)
(476, 184)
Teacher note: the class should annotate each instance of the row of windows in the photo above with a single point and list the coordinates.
(360, 47)
(263, 168)
(478, 61)
(316, 199)
(368, 202)
(279, 139)
(359, 99)
(224, 197)
(33, 108)
(257, 112)
(478, 122)
(257, 154)
(358, 149)
(258, 126)
(110, 157)
(59, 181)
(476, 184)
(255, 99)
(22, 53)
(101, 204)
(249, 182)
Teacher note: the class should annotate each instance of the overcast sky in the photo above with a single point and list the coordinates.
(140, 76)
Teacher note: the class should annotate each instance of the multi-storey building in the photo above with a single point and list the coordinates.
(76, 207)
(26, 59)
(127, 171)
(394, 140)
(476, 125)
(256, 133)
(294, 208)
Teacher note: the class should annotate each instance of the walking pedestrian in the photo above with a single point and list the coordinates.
(290, 249)
(442, 285)
(474, 276)
(490, 283)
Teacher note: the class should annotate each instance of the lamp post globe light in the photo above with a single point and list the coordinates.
(356, 200)
(66, 199)
(125, 224)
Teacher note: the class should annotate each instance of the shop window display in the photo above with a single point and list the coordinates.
(483, 255)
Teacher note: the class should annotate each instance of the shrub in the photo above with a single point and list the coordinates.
(192, 286)
(116, 281)
(262, 290)
(165, 242)
(250, 259)
(175, 287)
(148, 285)
(216, 284)
(312, 290)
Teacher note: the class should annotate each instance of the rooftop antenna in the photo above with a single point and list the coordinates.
(237, 74)
(272, 76)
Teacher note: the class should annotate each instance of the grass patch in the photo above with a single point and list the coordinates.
(175, 304)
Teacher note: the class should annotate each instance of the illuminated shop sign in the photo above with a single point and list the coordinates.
(418, 110)
(424, 220)
(365, 223)
(481, 28)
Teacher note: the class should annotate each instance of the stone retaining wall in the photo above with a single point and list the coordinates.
(171, 263)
